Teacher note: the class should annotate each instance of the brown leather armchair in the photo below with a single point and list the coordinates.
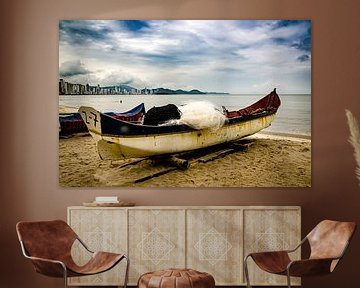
(48, 245)
(328, 242)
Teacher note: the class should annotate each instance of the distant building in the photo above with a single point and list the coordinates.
(62, 87)
(67, 88)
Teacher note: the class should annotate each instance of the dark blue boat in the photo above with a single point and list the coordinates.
(72, 123)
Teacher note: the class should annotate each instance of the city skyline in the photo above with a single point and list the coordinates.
(67, 88)
(251, 56)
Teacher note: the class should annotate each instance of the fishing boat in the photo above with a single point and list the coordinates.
(72, 123)
(118, 139)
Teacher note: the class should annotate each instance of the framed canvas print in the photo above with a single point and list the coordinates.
(185, 103)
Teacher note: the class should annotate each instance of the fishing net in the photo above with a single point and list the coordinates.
(201, 115)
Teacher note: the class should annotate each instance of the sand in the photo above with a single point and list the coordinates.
(270, 161)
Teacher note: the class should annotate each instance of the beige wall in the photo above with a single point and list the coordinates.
(29, 134)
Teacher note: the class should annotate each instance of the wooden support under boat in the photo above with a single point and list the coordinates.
(204, 156)
(182, 164)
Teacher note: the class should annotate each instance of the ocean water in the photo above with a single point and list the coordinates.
(293, 116)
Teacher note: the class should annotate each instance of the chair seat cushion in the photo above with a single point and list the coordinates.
(176, 278)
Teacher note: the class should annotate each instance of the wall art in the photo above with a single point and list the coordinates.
(185, 103)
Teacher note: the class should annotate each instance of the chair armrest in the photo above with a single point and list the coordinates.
(84, 245)
(48, 267)
(268, 253)
(309, 267)
(46, 260)
(298, 246)
(281, 251)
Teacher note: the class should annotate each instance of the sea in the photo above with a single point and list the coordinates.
(293, 116)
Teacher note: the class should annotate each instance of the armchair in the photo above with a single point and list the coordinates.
(48, 245)
(328, 242)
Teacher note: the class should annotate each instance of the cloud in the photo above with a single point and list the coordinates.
(216, 55)
(83, 32)
(294, 33)
(73, 68)
(303, 58)
(76, 72)
(116, 78)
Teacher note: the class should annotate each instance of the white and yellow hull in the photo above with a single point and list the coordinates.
(116, 139)
(111, 147)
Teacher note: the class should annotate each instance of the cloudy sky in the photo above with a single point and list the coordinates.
(209, 55)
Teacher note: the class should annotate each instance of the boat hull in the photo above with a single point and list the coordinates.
(116, 139)
(114, 147)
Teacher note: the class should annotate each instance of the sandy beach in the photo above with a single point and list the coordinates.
(269, 161)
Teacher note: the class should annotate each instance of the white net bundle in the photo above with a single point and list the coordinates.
(201, 115)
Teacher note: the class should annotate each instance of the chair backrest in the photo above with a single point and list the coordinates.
(329, 239)
(46, 239)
